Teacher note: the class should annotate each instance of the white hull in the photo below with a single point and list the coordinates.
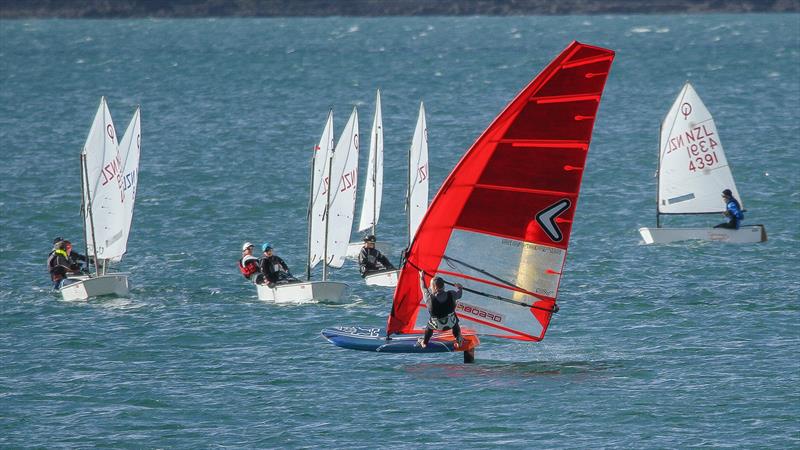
(386, 279)
(84, 287)
(309, 291)
(744, 235)
(354, 248)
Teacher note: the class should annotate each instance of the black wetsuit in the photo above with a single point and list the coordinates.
(441, 305)
(275, 269)
(59, 264)
(372, 260)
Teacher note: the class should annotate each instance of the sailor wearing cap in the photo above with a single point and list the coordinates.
(370, 259)
(249, 264)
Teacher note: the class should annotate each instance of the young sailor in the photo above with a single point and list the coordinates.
(442, 308)
(733, 211)
(249, 265)
(60, 265)
(274, 268)
(370, 259)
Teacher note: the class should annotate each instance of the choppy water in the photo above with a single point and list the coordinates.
(670, 346)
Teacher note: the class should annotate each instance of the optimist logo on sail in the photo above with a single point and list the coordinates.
(686, 109)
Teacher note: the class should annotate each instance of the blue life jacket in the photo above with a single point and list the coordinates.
(735, 210)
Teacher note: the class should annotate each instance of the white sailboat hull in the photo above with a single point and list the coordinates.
(744, 235)
(305, 292)
(85, 287)
(386, 279)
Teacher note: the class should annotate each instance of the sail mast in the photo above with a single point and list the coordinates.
(327, 217)
(84, 190)
(309, 214)
(88, 211)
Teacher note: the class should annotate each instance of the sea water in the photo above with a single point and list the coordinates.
(690, 344)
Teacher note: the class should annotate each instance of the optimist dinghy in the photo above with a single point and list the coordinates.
(330, 216)
(692, 173)
(109, 177)
(416, 195)
(373, 189)
(526, 168)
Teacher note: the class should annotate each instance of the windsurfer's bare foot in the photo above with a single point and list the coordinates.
(421, 343)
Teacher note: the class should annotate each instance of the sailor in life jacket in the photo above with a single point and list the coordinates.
(442, 308)
(274, 268)
(60, 265)
(370, 259)
(249, 264)
(733, 211)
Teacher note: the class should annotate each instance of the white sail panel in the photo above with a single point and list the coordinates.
(104, 214)
(319, 193)
(418, 174)
(693, 170)
(373, 190)
(344, 178)
(130, 150)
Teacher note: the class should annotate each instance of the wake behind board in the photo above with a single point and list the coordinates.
(373, 339)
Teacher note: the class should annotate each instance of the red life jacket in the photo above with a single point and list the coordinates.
(249, 268)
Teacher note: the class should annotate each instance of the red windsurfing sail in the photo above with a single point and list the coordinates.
(500, 224)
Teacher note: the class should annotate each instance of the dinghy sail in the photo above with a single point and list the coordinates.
(342, 197)
(500, 224)
(373, 190)
(692, 172)
(104, 209)
(130, 149)
(417, 199)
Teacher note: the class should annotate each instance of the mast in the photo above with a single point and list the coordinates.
(658, 176)
(83, 213)
(89, 212)
(327, 217)
(408, 199)
(375, 184)
(308, 215)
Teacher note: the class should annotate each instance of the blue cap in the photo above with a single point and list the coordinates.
(266, 246)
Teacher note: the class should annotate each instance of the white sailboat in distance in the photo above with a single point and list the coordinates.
(109, 175)
(692, 173)
(416, 196)
(373, 187)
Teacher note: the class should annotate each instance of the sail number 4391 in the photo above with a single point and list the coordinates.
(702, 155)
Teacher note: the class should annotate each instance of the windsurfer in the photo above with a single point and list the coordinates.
(733, 211)
(370, 259)
(442, 308)
(274, 268)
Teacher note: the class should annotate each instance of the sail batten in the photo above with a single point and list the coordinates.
(501, 222)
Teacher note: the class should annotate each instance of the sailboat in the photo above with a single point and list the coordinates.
(109, 175)
(692, 173)
(416, 195)
(373, 189)
(330, 216)
(501, 223)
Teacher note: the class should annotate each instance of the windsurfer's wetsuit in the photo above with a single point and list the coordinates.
(249, 266)
(733, 211)
(442, 308)
(372, 260)
(275, 270)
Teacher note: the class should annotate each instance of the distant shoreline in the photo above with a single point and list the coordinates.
(20, 9)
